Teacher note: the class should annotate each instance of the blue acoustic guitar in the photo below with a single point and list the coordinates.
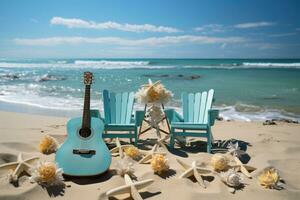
(84, 152)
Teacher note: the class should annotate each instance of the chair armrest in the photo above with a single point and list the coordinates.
(139, 116)
(177, 117)
(213, 114)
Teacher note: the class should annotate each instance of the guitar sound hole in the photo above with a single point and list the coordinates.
(85, 132)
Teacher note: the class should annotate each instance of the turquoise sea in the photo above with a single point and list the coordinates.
(245, 89)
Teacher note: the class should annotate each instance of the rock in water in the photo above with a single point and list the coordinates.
(269, 122)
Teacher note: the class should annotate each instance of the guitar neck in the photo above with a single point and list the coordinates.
(86, 116)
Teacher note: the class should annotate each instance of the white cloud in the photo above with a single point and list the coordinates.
(166, 40)
(254, 25)
(79, 23)
(210, 28)
(283, 34)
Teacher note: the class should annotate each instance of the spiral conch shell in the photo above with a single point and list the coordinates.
(232, 179)
(47, 173)
(159, 164)
(219, 162)
(269, 178)
(132, 152)
(48, 145)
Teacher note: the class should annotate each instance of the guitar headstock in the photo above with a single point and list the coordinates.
(88, 78)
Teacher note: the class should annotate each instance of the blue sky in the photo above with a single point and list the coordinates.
(155, 29)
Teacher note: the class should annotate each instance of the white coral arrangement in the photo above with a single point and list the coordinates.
(159, 164)
(48, 145)
(219, 162)
(153, 93)
(47, 173)
(156, 114)
(125, 166)
(232, 179)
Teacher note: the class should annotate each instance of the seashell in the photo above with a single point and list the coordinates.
(47, 173)
(132, 152)
(124, 166)
(48, 145)
(231, 178)
(219, 162)
(159, 164)
(269, 178)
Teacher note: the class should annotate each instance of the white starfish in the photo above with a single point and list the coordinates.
(18, 167)
(160, 142)
(130, 187)
(119, 149)
(235, 150)
(148, 155)
(194, 170)
(240, 167)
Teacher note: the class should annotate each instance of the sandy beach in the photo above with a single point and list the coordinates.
(274, 145)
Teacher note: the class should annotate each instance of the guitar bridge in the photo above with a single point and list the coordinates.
(84, 151)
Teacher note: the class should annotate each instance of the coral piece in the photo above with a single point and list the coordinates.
(132, 152)
(47, 173)
(232, 179)
(18, 167)
(130, 187)
(124, 166)
(269, 178)
(159, 164)
(219, 162)
(48, 145)
(156, 114)
(194, 170)
(119, 149)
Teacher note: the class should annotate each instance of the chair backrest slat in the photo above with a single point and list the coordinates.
(195, 106)
(106, 105)
(202, 106)
(112, 108)
(124, 107)
(118, 107)
(208, 105)
(129, 107)
(185, 103)
(191, 107)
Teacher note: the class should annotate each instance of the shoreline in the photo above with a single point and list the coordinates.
(227, 113)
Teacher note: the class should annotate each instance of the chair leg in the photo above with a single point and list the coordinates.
(130, 139)
(172, 139)
(209, 141)
(135, 137)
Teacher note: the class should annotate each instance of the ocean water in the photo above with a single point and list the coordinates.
(245, 89)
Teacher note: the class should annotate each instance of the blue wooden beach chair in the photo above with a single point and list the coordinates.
(118, 109)
(198, 117)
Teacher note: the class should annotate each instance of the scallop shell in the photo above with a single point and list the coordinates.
(159, 164)
(219, 162)
(48, 145)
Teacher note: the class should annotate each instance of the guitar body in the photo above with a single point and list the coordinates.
(74, 156)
